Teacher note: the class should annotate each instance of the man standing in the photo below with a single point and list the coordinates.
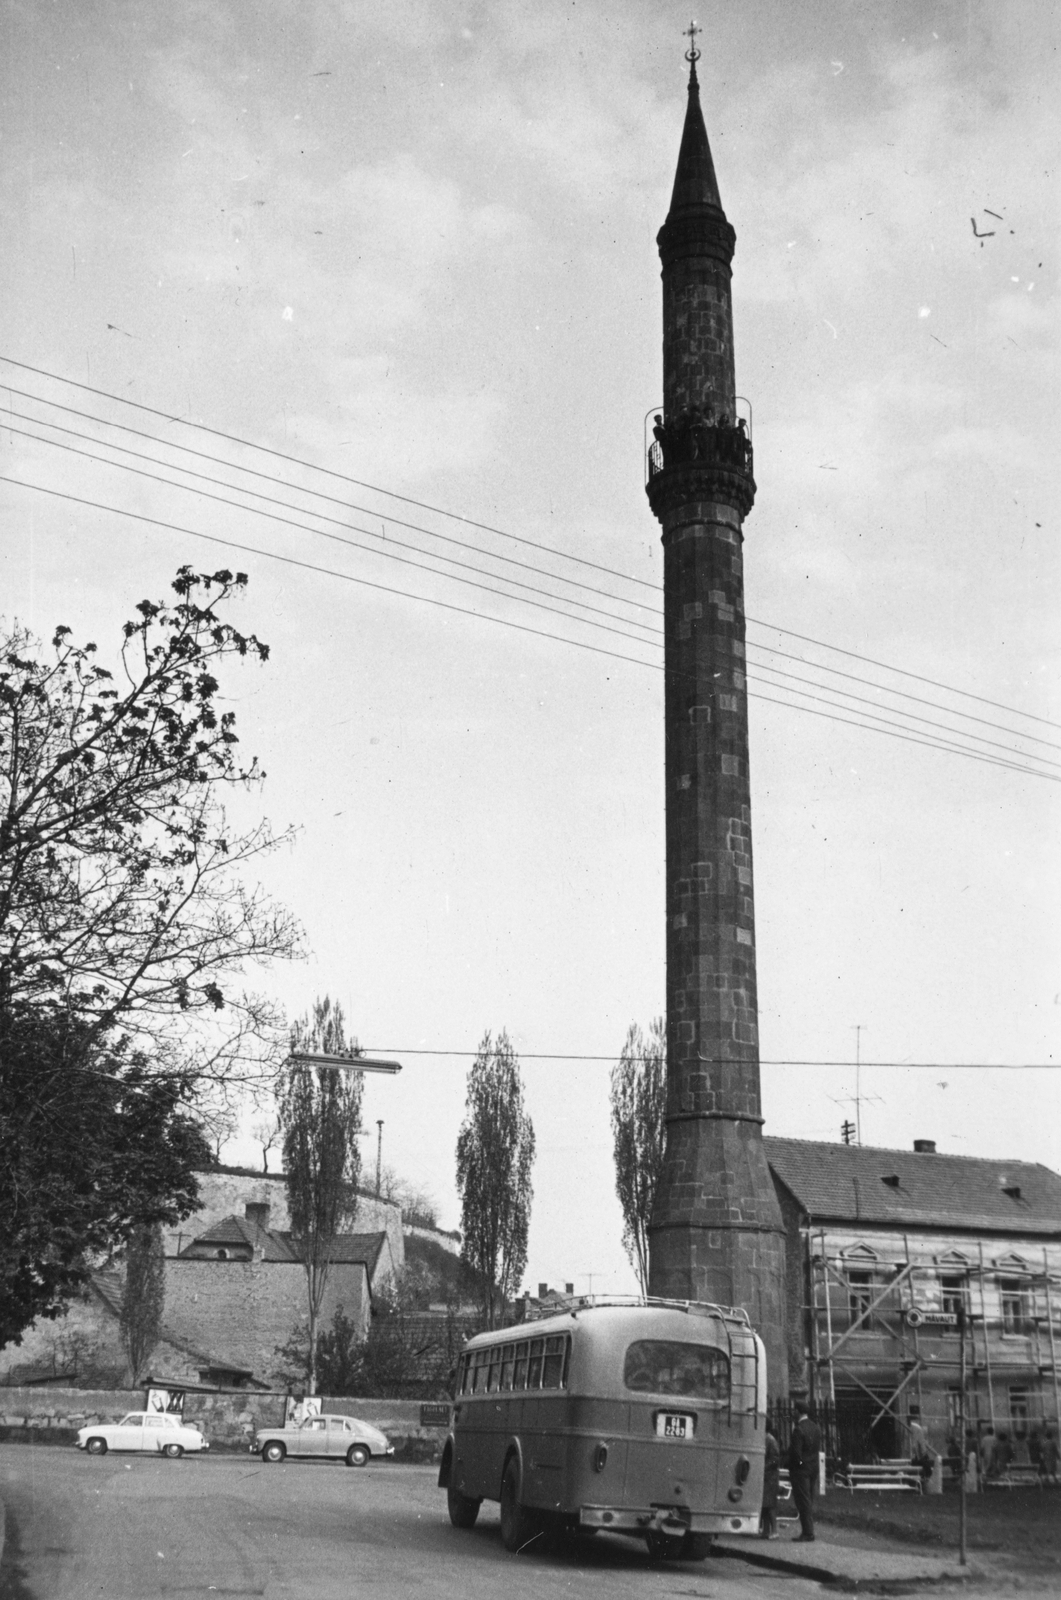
(803, 1451)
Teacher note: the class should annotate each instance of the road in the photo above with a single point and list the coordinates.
(130, 1528)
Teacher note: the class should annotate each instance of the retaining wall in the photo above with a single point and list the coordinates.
(227, 1418)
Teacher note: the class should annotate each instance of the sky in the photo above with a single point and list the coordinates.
(413, 247)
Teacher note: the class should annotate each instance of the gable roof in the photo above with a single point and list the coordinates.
(847, 1183)
(346, 1248)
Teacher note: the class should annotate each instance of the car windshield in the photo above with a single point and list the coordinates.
(665, 1366)
(133, 1420)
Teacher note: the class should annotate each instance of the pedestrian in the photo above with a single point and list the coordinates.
(1003, 1456)
(771, 1488)
(1048, 1458)
(922, 1454)
(987, 1453)
(803, 1452)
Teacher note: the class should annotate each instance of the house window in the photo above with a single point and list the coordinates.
(1014, 1304)
(954, 1293)
(861, 1290)
(1019, 1406)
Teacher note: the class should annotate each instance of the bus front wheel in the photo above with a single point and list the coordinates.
(463, 1510)
(518, 1525)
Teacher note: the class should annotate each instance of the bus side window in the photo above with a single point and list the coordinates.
(462, 1379)
(534, 1370)
(553, 1369)
(478, 1375)
(507, 1365)
(495, 1369)
(519, 1381)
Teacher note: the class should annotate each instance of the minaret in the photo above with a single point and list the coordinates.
(716, 1230)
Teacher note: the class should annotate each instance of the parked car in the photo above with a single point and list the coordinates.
(157, 1433)
(355, 1441)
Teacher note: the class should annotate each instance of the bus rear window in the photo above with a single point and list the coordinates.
(664, 1366)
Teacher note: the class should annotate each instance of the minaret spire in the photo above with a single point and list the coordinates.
(716, 1232)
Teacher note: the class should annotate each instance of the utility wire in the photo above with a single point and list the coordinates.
(374, 549)
(270, 477)
(875, 714)
(346, 577)
(343, 477)
(486, 527)
(466, 545)
(764, 1061)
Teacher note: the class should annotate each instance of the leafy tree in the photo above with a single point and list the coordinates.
(495, 1154)
(417, 1203)
(639, 1105)
(92, 1146)
(124, 922)
(143, 1296)
(121, 895)
(320, 1114)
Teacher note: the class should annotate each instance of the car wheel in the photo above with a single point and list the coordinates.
(174, 1451)
(96, 1447)
(518, 1525)
(358, 1455)
(273, 1451)
(463, 1510)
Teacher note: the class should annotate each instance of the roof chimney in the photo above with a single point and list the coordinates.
(543, 1290)
(569, 1288)
(925, 1147)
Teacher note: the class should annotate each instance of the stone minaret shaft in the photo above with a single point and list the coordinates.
(716, 1230)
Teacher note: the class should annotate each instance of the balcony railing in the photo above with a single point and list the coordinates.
(696, 437)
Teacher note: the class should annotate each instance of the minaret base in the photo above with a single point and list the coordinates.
(717, 1233)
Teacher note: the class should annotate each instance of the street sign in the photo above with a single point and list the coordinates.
(434, 1414)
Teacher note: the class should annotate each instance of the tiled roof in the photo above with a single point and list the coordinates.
(346, 1247)
(846, 1182)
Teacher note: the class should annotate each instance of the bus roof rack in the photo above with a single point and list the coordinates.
(590, 1302)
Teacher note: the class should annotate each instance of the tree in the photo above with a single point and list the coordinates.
(495, 1154)
(320, 1114)
(92, 1146)
(417, 1204)
(124, 921)
(121, 895)
(143, 1297)
(639, 1106)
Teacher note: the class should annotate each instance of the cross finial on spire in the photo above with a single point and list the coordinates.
(692, 55)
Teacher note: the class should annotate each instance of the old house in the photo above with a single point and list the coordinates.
(888, 1252)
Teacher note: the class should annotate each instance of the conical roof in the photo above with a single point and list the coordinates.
(695, 184)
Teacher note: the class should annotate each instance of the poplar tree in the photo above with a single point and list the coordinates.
(320, 1117)
(639, 1132)
(495, 1154)
(144, 1297)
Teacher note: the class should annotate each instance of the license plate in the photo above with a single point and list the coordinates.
(674, 1425)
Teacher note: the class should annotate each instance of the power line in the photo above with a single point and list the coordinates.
(373, 549)
(328, 572)
(484, 527)
(346, 577)
(269, 477)
(764, 1061)
(343, 477)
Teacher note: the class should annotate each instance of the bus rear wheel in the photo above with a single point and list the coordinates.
(463, 1510)
(518, 1525)
(696, 1546)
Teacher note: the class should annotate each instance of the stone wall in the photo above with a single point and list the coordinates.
(241, 1311)
(227, 1418)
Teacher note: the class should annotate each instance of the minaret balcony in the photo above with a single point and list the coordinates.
(699, 457)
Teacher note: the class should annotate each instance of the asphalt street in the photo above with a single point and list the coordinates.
(128, 1528)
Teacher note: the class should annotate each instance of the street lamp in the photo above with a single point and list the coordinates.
(315, 1058)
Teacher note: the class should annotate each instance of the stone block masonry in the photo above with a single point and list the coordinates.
(716, 1231)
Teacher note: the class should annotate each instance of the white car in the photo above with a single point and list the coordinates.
(356, 1442)
(158, 1433)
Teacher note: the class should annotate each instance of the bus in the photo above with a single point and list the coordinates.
(642, 1417)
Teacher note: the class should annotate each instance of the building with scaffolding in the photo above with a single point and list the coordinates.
(908, 1269)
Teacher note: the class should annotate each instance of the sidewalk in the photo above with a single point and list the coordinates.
(848, 1559)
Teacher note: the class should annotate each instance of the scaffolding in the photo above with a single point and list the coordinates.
(1005, 1342)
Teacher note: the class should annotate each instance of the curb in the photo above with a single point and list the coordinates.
(835, 1579)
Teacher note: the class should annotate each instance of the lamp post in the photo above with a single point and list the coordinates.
(317, 1058)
